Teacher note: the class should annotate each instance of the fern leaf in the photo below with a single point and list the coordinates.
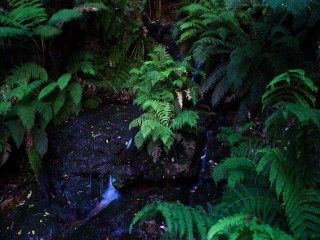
(17, 131)
(75, 90)
(233, 169)
(165, 113)
(59, 102)
(10, 32)
(46, 91)
(26, 115)
(23, 74)
(63, 81)
(4, 107)
(64, 16)
(35, 162)
(47, 31)
(46, 112)
(19, 93)
(40, 141)
(185, 118)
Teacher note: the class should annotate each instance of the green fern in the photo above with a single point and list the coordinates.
(81, 62)
(181, 220)
(30, 103)
(291, 86)
(75, 92)
(162, 87)
(243, 226)
(48, 90)
(40, 141)
(63, 16)
(17, 131)
(238, 43)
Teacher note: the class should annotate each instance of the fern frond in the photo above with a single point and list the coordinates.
(48, 90)
(26, 115)
(138, 121)
(47, 31)
(185, 118)
(63, 16)
(75, 90)
(249, 226)
(40, 141)
(45, 111)
(35, 161)
(165, 113)
(17, 131)
(59, 102)
(63, 81)
(234, 170)
(26, 72)
(81, 62)
(4, 107)
(180, 219)
(291, 86)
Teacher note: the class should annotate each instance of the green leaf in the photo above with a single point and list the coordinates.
(59, 102)
(64, 80)
(47, 90)
(4, 107)
(17, 131)
(26, 114)
(40, 141)
(75, 92)
(63, 16)
(47, 31)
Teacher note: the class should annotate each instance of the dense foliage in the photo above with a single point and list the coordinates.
(163, 90)
(253, 53)
(271, 186)
(246, 49)
(243, 45)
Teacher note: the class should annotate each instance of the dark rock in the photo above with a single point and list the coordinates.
(94, 144)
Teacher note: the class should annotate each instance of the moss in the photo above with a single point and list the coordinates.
(91, 103)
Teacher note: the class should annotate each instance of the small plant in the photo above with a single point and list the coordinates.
(164, 91)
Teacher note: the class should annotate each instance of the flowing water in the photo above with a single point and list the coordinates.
(109, 195)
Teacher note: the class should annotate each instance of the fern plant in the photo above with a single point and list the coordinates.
(163, 90)
(29, 21)
(272, 191)
(30, 101)
(243, 45)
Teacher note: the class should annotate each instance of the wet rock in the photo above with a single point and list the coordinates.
(95, 145)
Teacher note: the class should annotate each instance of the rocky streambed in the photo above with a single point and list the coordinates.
(82, 155)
